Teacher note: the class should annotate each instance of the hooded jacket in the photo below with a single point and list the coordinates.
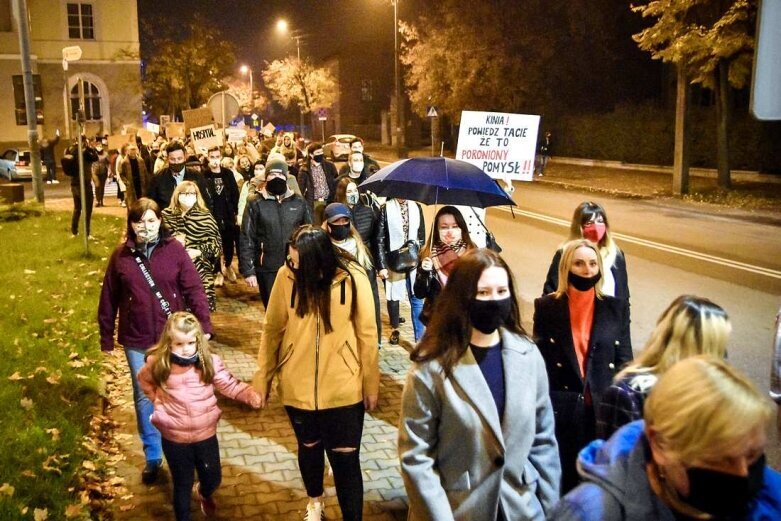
(616, 485)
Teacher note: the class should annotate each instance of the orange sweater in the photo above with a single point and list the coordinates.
(581, 318)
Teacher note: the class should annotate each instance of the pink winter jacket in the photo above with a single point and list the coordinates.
(186, 411)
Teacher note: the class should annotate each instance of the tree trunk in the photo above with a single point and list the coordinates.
(681, 155)
(722, 135)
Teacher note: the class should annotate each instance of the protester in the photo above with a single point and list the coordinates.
(266, 226)
(163, 184)
(698, 455)
(476, 436)
(401, 228)
(317, 179)
(149, 256)
(244, 166)
(162, 161)
(449, 240)
(134, 175)
(355, 168)
(319, 339)
(70, 167)
(544, 152)
(100, 171)
(227, 150)
(590, 222)
(189, 221)
(775, 369)
(583, 336)
(356, 145)
(47, 148)
(179, 378)
(250, 191)
(224, 195)
(689, 326)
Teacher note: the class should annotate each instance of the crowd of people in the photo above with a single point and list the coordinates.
(495, 423)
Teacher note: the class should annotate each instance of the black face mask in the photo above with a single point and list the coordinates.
(725, 495)
(276, 186)
(184, 361)
(339, 232)
(318, 158)
(487, 315)
(584, 283)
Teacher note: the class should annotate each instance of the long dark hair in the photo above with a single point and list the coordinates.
(448, 334)
(435, 238)
(318, 262)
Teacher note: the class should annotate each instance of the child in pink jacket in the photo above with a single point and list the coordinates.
(179, 377)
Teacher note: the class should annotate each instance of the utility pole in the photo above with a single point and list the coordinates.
(401, 149)
(22, 19)
(81, 117)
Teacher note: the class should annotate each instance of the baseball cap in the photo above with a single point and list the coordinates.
(336, 211)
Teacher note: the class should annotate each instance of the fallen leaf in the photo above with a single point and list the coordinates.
(40, 514)
(26, 403)
(55, 433)
(7, 490)
(87, 464)
(28, 473)
(29, 272)
(16, 376)
(74, 510)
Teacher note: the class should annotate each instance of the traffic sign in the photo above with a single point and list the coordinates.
(322, 118)
(431, 112)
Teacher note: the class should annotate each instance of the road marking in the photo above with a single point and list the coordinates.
(751, 268)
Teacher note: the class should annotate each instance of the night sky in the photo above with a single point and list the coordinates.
(251, 24)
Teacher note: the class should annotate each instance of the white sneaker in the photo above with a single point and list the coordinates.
(219, 280)
(230, 274)
(314, 511)
(55, 182)
(123, 204)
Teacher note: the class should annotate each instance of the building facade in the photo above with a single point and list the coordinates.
(107, 33)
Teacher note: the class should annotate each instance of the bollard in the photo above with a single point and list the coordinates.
(11, 193)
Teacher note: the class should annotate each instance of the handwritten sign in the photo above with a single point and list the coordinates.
(152, 127)
(235, 135)
(117, 141)
(147, 136)
(501, 144)
(206, 136)
(196, 118)
(174, 130)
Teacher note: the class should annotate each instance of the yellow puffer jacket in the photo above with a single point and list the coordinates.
(318, 370)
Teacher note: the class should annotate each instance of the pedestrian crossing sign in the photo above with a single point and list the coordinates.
(432, 112)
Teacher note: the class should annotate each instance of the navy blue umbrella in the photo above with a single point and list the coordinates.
(437, 180)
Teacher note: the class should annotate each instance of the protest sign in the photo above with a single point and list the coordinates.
(129, 129)
(174, 130)
(152, 127)
(268, 130)
(164, 120)
(146, 136)
(235, 135)
(196, 118)
(501, 144)
(206, 136)
(116, 142)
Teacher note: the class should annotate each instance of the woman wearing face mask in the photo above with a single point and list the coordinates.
(244, 167)
(699, 454)
(476, 436)
(189, 221)
(148, 254)
(590, 222)
(449, 240)
(319, 338)
(689, 326)
(583, 336)
(251, 190)
(338, 222)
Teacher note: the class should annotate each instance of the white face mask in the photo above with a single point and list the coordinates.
(146, 232)
(187, 201)
(214, 163)
(357, 167)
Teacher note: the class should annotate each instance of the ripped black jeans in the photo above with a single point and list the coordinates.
(325, 430)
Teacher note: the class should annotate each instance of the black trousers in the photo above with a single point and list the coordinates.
(265, 283)
(76, 193)
(326, 430)
(229, 235)
(202, 457)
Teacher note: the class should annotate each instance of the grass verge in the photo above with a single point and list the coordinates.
(50, 362)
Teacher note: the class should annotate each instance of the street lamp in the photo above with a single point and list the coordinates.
(401, 150)
(282, 27)
(244, 70)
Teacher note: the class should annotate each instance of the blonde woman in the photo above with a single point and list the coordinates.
(590, 222)
(190, 222)
(698, 455)
(689, 326)
(583, 336)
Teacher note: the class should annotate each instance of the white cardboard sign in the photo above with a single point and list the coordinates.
(206, 136)
(501, 144)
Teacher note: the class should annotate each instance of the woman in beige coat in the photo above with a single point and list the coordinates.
(320, 338)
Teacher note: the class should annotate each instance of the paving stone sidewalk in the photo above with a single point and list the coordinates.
(261, 479)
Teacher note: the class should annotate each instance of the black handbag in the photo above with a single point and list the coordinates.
(405, 259)
(490, 240)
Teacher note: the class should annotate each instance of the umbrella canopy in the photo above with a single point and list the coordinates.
(437, 180)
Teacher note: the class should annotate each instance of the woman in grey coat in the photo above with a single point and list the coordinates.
(476, 440)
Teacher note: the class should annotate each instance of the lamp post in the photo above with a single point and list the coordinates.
(401, 149)
(244, 70)
(282, 27)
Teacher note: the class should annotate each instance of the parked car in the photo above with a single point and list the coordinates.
(15, 164)
(337, 147)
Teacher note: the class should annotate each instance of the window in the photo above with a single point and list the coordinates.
(92, 110)
(81, 24)
(5, 17)
(20, 107)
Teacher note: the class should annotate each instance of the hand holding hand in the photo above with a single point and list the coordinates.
(256, 401)
(252, 281)
(427, 264)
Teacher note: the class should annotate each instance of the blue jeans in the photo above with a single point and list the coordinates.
(416, 306)
(150, 436)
